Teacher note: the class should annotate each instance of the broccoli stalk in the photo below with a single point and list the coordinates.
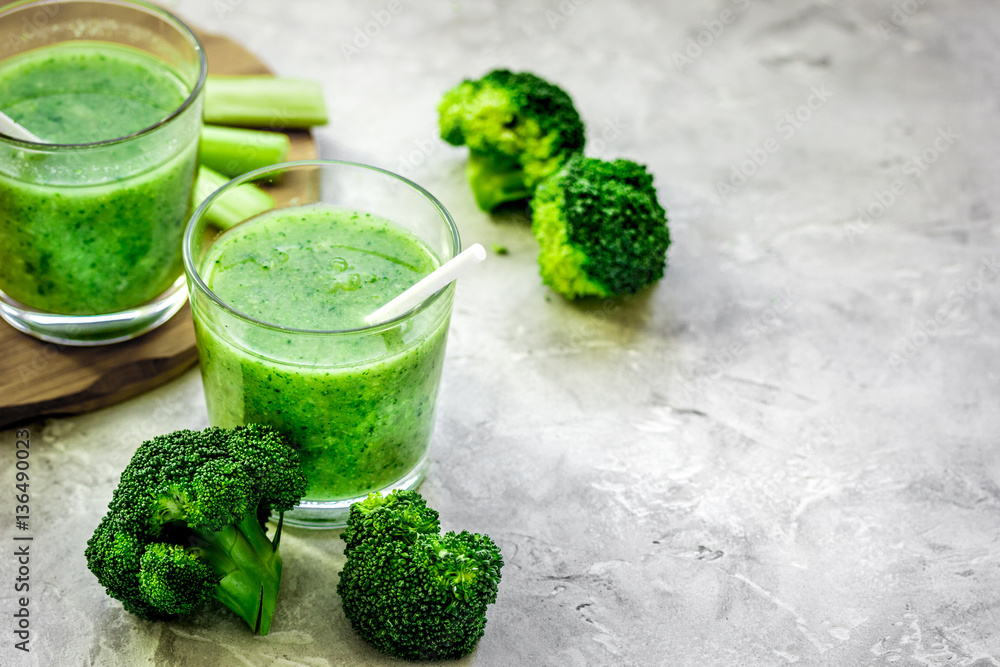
(410, 591)
(187, 524)
(492, 184)
(248, 566)
(519, 129)
(263, 101)
(235, 151)
(601, 229)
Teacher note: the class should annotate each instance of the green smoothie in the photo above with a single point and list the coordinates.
(358, 405)
(86, 230)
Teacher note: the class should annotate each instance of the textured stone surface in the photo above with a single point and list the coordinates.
(731, 469)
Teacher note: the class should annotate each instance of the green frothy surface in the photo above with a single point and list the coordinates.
(314, 267)
(85, 92)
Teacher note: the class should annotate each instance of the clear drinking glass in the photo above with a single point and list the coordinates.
(90, 229)
(358, 404)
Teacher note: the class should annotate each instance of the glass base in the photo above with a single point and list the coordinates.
(90, 330)
(325, 514)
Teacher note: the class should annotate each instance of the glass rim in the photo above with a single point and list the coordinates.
(194, 274)
(161, 13)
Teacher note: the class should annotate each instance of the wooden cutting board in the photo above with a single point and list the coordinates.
(41, 379)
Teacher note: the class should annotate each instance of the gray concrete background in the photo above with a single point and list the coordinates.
(784, 453)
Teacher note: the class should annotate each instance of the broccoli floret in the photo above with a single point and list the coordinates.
(187, 524)
(601, 229)
(410, 591)
(519, 129)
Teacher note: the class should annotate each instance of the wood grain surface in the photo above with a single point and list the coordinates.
(41, 379)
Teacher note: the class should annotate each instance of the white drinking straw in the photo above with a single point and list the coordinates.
(12, 129)
(428, 285)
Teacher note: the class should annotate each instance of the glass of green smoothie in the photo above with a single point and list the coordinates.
(279, 302)
(92, 215)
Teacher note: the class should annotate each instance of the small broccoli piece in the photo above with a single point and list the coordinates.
(519, 129)
(187, 524)
(174, 578)
(410, 591)
(601, 229)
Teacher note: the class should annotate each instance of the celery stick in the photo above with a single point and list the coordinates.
(232, 152)
(263, 101)
(236, 205)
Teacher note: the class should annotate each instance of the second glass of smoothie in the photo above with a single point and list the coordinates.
(279, 302)
(91, 216)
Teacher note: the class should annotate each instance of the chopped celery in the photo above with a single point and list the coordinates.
(233, 151)
(236, 205)
(264, 101)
